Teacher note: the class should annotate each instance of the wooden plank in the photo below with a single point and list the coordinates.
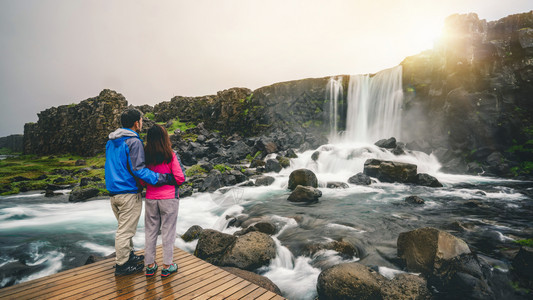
(245, 291)
(149, 291)
(230, 291)
(220, 288)
(255, 294)
(60, 286)
(195, 279)
(118, 286)
(192, 285)
(114, 284)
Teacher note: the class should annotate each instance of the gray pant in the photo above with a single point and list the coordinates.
(160, 214)
(127, 209)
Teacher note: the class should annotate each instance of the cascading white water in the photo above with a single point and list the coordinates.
(333, 95)
(374, 107)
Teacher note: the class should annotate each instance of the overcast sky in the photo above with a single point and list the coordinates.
(57, 52)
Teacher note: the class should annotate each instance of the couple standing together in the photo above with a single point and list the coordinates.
(129, 166)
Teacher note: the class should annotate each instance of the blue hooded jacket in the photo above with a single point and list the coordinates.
(124, 164)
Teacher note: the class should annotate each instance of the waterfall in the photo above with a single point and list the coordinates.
(333, 95)
(374, 106)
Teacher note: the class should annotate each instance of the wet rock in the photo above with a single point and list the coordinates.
(336, 185)
(390, 171)
(212, 182)
(185, 191)
(55, 187)
(360, 179)
(406, 286)
(387, 143)
(427, 180)
(264, 227)
(349, 281)
(272, 165)
(257, 279)
(315, 155)
(80, 194)
(473, 203)
(305, 194)
(425, 249)
(264, 181)
(414, 200)
(50, 193)
(250, 251)
(257, 162)
(523, 263)
(446, 261)
(302, 177)
(283, 161)
(192, 233)
(212, 245)
(346, 249)
(291, 154)
(11, 272)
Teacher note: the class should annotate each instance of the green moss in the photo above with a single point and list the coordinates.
(250, 158)
(527, 242)
(195, 170)
(222, 168)
(176, 124)
(150, 116)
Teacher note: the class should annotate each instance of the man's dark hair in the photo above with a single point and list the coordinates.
(129, 117)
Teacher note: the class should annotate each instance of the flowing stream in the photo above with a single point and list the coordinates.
(50, 234)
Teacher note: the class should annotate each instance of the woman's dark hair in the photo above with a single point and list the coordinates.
(129, 117)
(158, 148)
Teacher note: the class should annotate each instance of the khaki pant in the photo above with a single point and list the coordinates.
(127, 209)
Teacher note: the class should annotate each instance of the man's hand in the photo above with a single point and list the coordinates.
(170, 179)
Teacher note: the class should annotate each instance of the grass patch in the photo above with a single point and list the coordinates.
(177, 124)
(222, 168)
(527, 242)
(150, 116)
(250, 158)
(195, 170)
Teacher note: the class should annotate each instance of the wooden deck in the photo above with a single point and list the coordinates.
(195, 279)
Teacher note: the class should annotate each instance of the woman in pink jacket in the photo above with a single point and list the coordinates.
(161, 205)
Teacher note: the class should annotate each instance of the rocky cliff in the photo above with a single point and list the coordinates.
(77, 128)
(471, 97)
(12, 142)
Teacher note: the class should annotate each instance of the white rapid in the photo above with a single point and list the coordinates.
(334, 93)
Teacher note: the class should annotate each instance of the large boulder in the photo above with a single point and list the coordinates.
(360, 179)
(386, 143)
(192, 233)
(212, 245)
(80, 194)
(357, 281)
(212, 182)
(425, 249)
(446, 261)
(257, 279)
(305, 194)
(272, 165)
(302, 177)
(264, 180)
(250, 251)
(390, 171)
(427, 180)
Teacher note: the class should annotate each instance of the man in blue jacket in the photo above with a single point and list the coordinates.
(124, 167)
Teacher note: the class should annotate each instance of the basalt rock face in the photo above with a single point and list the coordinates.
(296, 106)
(81, 128)
(12, 142)
(471, 94)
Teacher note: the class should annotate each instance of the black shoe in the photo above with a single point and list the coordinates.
(128, 268)
(135, 259)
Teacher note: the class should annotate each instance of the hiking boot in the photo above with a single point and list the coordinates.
(167, 271)
(151, 271)
(128, 268)
(135, 259)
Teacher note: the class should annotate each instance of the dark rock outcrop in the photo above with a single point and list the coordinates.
(81, 128)
(414, 200)
(427, 180)
(192, 233)
(360, 179)
(212, 245)
(250, 251)
(390, 171)
(305, 194)
(80, 194)
(14, 142)
(302, 177)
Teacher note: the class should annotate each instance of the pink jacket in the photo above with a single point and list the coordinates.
(165, 191)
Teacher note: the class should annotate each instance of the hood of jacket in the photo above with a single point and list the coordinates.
(122, 132)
